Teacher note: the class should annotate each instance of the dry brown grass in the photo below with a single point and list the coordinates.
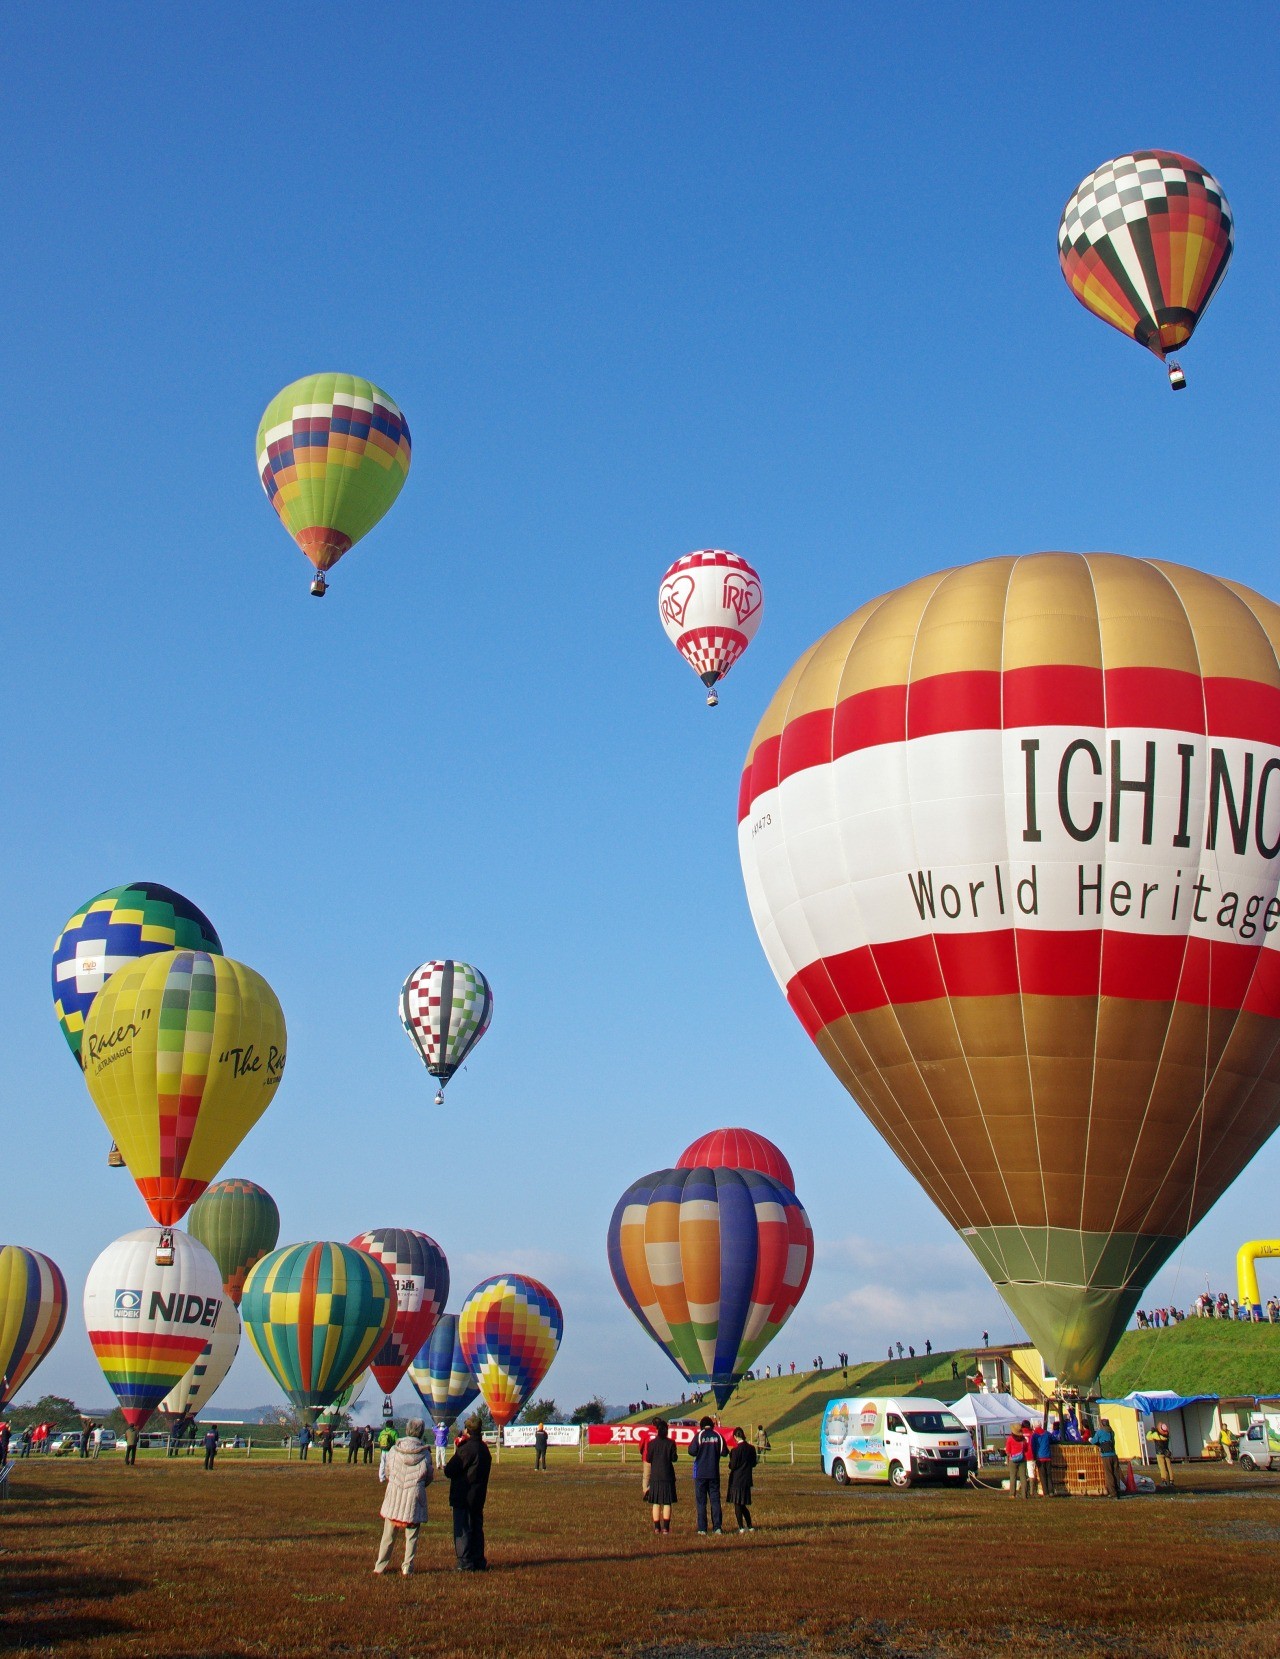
(276, 1559)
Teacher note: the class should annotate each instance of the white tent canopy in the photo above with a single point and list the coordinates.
(992, 1412)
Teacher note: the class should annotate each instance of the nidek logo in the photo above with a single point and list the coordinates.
(128, 1304)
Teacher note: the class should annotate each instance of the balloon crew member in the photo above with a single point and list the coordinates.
(705, 1451)
(467, 1472)
(1017, 1448)
(742, 1463)
(406, 1469)
(1158, 1440)
(1042, 1452)
(354, 1438)
(540, 1447)
(130, 1445)
(304, 1442)
(658, 1486)
(326, 1442)
(1104, 1438)
(211, 1443)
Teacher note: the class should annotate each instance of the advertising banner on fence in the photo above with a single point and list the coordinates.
(558, 1434)
(634, 1434)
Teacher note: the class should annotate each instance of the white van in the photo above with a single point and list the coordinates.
(1259, 1447)
(899, 1440)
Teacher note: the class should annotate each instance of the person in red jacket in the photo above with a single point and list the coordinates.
(1017, 1448)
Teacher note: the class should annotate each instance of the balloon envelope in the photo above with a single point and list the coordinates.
(1009, 837)
(333, 453)
(182, 1055)
(710, 603)
(441, 1375)
(148, 1325)
(445, 1007)
(196, 1387)
(510, 1329)
(1144, 243)
(33, 1310)
(113, 929)
(238, 1223)
(420, 1273)
(712, 1262)
(317, 1313)
(345, 1399)
(737, 1149)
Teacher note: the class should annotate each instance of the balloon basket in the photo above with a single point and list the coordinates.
(387, 1408)
(115, 1158)
(1177, 379)
(712, 700)
(439, 1100)
(319, 587)
(164, 1249)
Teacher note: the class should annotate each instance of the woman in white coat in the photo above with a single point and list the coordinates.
(406, 1470)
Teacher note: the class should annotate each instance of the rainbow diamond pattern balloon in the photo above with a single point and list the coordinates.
(510, 1329)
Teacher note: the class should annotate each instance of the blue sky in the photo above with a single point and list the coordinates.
(644, 278)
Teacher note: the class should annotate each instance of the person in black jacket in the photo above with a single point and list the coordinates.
(660, 1456)
(467, 1472)
(742, 1462)
(705, 1452)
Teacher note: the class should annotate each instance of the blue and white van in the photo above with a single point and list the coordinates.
(877, 1437)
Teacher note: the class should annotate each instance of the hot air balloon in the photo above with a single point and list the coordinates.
(183, 1053)
(712, 1262)
(446, 1008)
(197, 1386)
(238, 1223)
(345, 1400)
(440, 1373)
(737, 1149)
(420, 1273)
(1010, 840)
(1143, 244)
(510, 1329)
(33, 1310)
(148, 1325)
(333, 452)
(317, 1313)
(711, 603)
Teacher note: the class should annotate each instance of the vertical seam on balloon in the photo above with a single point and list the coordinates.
(933, 940)
(1134, 1246)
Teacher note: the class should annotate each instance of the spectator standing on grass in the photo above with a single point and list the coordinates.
(130, 1445)
(762, 1440)
(706, 1451)
(304, 1442)
(4, 1444)
(467, 1472)
(406, 1469)
(211, 1443)
(442, 1442)
(658, 1477)
(1017, 1448)
(540, 1447)
(1158, 1440)
(86, 1437)
(353, 1445)
(366, 1442)
(24, 1443)
(742, 1463)
(326, 1443)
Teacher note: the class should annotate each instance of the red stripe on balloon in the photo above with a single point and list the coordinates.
(1205, 973)
(307, 1314)
(1052, 694)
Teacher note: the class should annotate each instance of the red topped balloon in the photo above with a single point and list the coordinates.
(737, 1149)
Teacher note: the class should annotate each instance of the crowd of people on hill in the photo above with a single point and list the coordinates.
(1222, 1306)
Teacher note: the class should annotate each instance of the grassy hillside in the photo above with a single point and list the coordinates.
(1200, 1356)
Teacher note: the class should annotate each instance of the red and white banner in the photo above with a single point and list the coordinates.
(635, 1434)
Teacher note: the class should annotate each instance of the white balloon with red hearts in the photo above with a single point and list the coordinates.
(711, 602)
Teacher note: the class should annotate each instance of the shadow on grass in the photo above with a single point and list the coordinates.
(28, 1587)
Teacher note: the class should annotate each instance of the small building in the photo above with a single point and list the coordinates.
(1192, 1419)
(1017, 1369)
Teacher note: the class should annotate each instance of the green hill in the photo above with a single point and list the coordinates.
(1200, 1356)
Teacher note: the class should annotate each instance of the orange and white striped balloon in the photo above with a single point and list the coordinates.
(1011, 841)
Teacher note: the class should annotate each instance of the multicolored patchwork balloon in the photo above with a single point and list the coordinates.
(333, 453)
(148, 1325)
(1011, 841)
(420, 1273)
(238, 1222)
(445, 1007)
(198, 1385)
(737, 1149)
(441, 1375)
(317, 1314)
(711, 603)
(182, 1054)
(112, 930)
(1144, 243)
(712, 1262)
(33, 1310)
(509, 1329)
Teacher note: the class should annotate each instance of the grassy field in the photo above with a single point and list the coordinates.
(1200, 1356)
(274, 1559)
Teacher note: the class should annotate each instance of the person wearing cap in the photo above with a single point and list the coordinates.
(1017, 1448)
(1158, 1440)
(406, 1469)
(467, 1472)
(1042, 1451)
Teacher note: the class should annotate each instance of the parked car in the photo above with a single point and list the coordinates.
(1259, 1447)
(64, 1444)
